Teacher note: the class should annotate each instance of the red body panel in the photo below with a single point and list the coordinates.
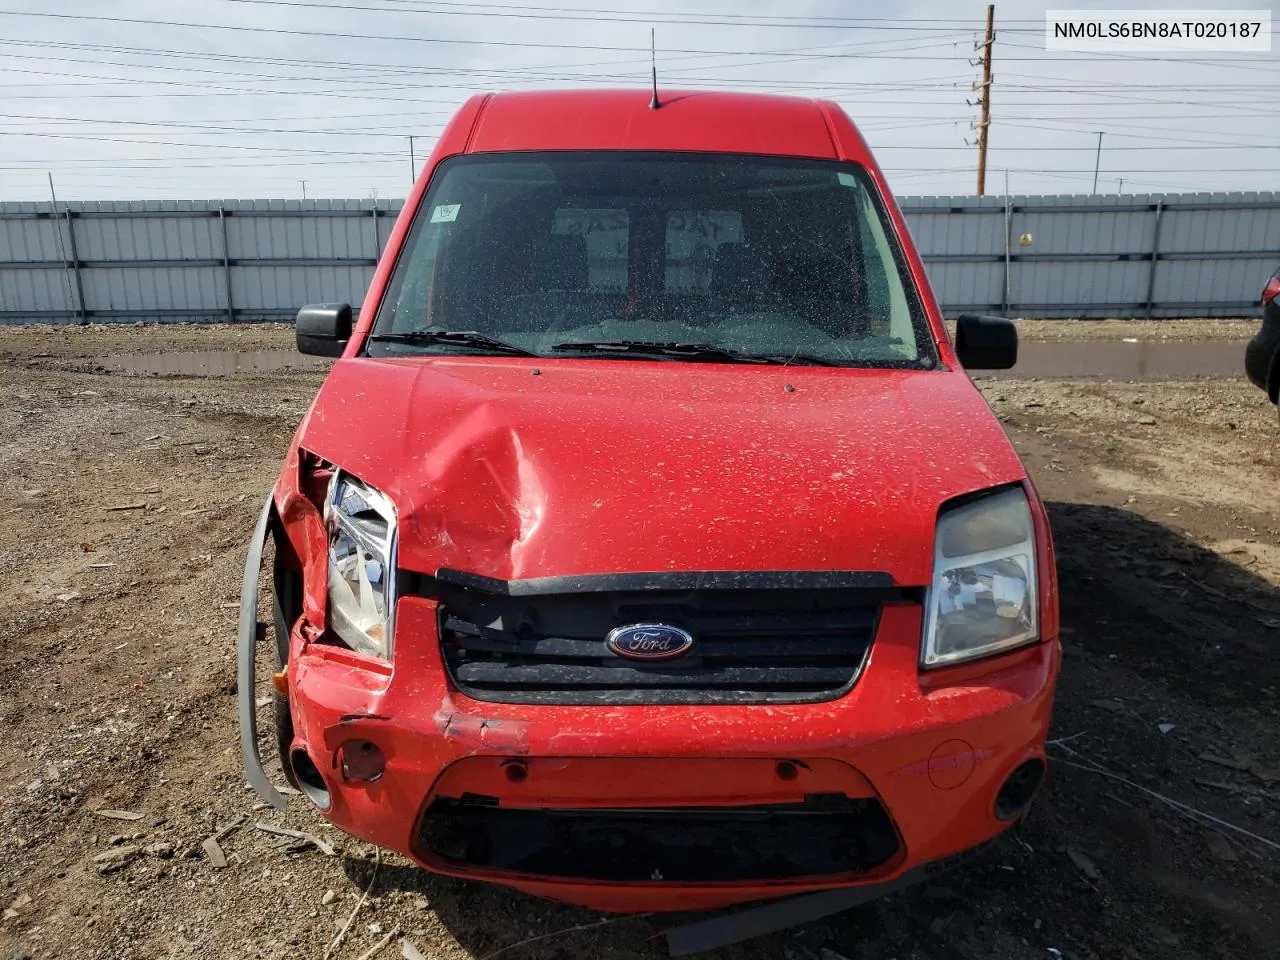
(606, 466)
(623, 120)
(613, 466)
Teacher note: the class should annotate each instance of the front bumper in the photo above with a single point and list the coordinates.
(932, 754)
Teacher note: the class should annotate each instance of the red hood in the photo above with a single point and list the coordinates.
(618, 466)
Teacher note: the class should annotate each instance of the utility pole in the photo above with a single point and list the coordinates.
(1120, 189)
(985, 123)
(304, 188)
(413, 164)
(1097, 162)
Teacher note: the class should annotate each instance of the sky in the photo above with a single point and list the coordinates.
(246, 99)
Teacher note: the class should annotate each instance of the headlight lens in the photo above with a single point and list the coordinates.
(983, 598)
(361, 523)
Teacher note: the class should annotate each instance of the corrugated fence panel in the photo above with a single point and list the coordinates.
(1050, 256)
(149, 291)
(1045, 289)
(127, 237)
(27, 239)
(275, 289)
(968, 285)
(287, 237)
(31, 294)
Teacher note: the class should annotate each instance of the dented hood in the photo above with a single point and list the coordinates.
(516, 469)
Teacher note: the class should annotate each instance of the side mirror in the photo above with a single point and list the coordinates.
(323, 329)
(986, 343)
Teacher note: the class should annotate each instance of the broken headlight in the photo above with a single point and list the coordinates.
(361, 524)
(983, 597)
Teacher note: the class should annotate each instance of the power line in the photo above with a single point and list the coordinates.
(879, 87)
(340, 35)
(646, 16)
(382, 66)
(786, 56)
(1092, 56)
(1059, 149)
(878, 107)
(1142, 136)
(202, 146)
(493, 10)
(1144, 133)
(1126, 171)
(123, 163)
(938, 83)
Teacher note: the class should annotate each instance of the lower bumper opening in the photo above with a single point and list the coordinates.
(823, 836)
(1020, 789)
(309, 779)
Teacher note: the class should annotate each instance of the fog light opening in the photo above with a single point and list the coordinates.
(1019, 790)
(516, 772)
(363, 761)
(310, 782)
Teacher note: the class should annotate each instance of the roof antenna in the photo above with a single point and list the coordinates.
(653, 60)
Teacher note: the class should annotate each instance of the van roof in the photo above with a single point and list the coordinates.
(748, 123)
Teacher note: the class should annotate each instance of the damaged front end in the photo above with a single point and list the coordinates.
(513, 678)
(693, 831)
(508, 745)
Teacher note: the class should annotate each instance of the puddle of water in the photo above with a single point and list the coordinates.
(212, 363)
(1118, 360)
(1144, 360)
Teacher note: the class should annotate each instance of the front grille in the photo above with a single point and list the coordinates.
(826, 835)
(750, 646)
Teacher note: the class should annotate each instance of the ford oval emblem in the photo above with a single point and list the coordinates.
(649, 641)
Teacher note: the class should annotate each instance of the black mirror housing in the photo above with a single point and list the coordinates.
(986, 343)
(323, 329)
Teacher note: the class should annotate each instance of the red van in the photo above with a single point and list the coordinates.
(647, 546)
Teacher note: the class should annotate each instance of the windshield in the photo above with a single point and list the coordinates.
(575, 253)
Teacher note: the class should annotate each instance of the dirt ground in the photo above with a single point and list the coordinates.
(130, 501)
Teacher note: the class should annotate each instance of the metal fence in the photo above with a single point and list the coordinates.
(1175, 255)
(186, 260)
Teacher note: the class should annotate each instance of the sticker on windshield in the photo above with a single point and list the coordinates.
(847, 179)
(445, 213)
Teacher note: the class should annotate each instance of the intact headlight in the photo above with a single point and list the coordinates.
(983, 598)
(361, 524)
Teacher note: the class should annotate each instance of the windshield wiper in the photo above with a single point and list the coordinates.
(689, 351)
(454, 338)
(804, 360)
(671, 351)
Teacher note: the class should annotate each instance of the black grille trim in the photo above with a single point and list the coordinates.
(672, 580)
(824, 836)
(750, 646)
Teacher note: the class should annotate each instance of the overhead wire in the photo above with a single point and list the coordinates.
(398, 38)
(691, 67)
(547, 13)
